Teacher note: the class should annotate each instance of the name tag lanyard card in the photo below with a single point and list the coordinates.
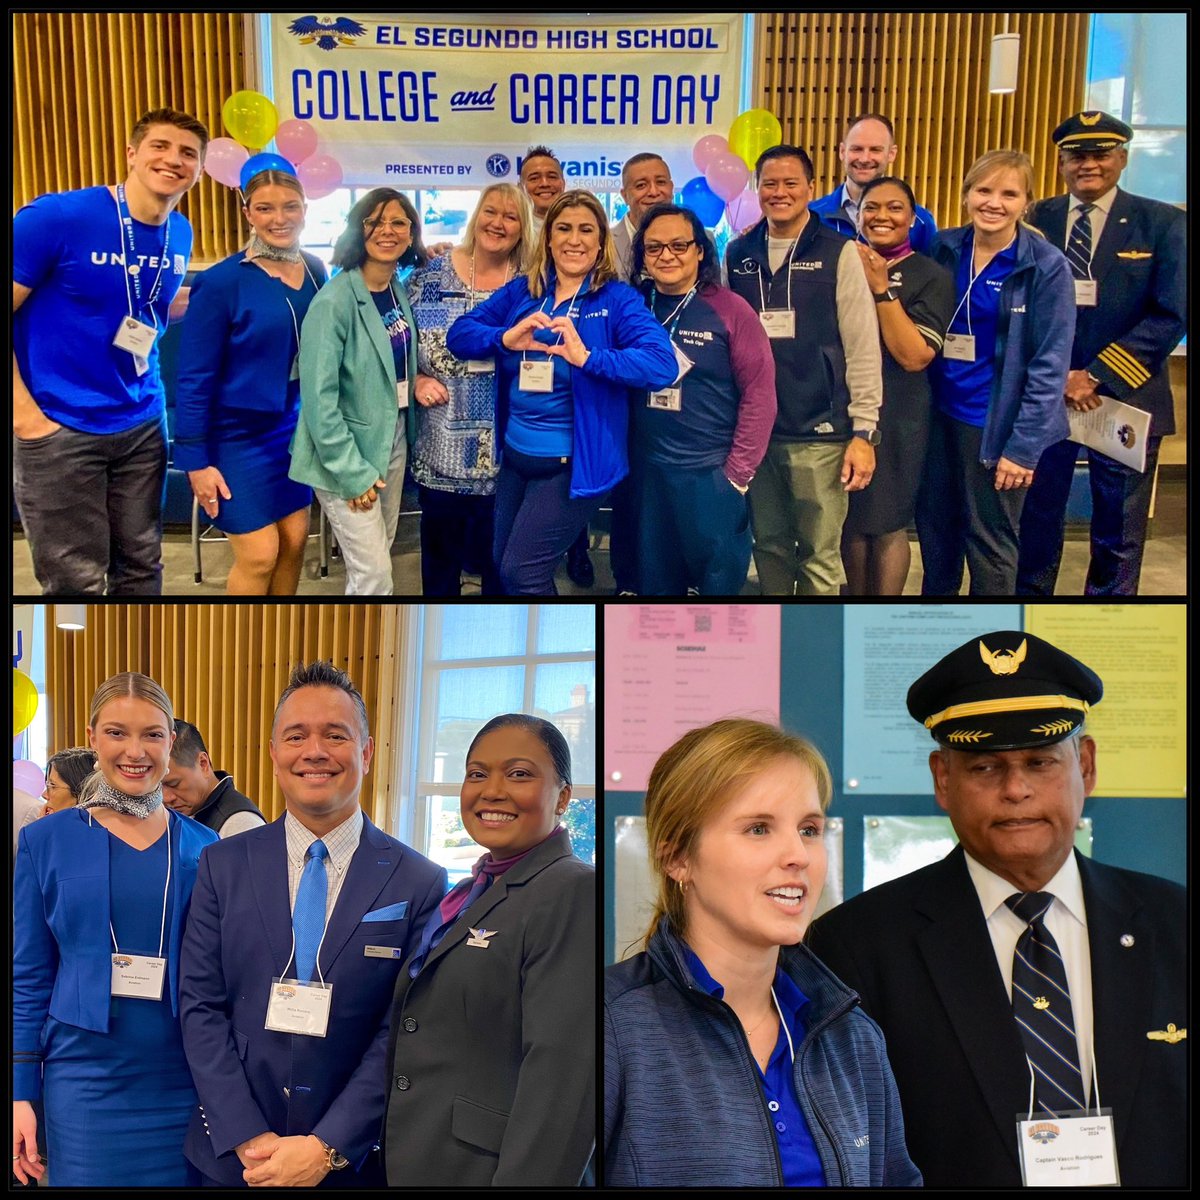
(482, 366)
(1070, 1149)
(133, 334)
(299, 1006)
(402, 385)
(670, 399)
(539, 376)
(961, 346)
(1087, 290)
(778, 322)
(140, 976)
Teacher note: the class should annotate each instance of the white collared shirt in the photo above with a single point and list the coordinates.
(1098, 216)
(341, 842)
(1066, 919)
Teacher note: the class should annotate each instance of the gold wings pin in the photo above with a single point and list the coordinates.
(1135, 254)
(1004, 662)
(1171, 1035)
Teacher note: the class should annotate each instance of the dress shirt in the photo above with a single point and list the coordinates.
(1098, 216)
(341, 842)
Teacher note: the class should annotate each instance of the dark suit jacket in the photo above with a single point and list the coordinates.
(493, 1051)
(917, 951)
(1140, 264)
(239, 937)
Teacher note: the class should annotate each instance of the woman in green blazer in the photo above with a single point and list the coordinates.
(358, 366)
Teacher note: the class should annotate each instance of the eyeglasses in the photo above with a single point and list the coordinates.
(657, 249)
(396, 226)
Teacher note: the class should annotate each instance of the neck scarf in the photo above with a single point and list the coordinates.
(141, 807)
(257, 248)
(895, 252)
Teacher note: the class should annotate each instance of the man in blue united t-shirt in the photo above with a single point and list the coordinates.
(95, 273)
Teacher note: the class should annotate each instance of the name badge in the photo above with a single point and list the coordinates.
(402, 393)
(382, 952)
(1074, 1151)
(135, 336)
(480, 366)
(536, 377)
(296, 1007)
(779, 322)
(682, 361)
(668, 399)
(960, 346)
(1086, 293)
(138, 975)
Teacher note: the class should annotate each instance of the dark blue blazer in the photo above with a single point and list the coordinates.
(1140, 264)
(62, 954)
(239, 938)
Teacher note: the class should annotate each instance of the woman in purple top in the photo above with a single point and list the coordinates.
(697, 443)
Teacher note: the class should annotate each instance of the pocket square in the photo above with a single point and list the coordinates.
(392, 912)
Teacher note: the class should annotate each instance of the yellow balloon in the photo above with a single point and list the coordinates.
(25, 701)
(250, 118)
(753, 132)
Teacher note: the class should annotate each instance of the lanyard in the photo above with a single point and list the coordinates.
(288, 302)
(570, 307)
(471, 291)
(133, 270)
(324, 931)
(1095, 1082)
(676, 314)
(163, 926)
(786, 1030)
(974, 276)
(762, 296)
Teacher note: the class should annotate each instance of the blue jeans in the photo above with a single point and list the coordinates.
(91, 507)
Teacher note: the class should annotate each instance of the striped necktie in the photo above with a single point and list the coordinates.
(1079, 243)
(308, 917)
(1042, 1008)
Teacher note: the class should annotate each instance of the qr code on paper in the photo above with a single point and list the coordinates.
(702, 622)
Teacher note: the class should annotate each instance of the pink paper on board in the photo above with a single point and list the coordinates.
(671, 667)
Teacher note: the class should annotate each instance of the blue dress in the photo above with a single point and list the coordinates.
(236, 405)
(118, 1103)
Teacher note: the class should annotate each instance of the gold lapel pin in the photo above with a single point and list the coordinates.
(1040, 1003)
(1171, 1035)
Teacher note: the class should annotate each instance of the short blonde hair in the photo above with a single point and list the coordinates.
(605, 269)
(1000, 160)
(695, 777)
(131, 683)
(513, 194)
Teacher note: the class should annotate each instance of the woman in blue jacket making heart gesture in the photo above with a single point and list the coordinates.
(569, 340)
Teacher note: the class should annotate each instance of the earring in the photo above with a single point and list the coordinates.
(682, 887)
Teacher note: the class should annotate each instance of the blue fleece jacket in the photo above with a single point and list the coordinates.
(629, 349)
(830, 210)
(1027, 412)
(682, 1102)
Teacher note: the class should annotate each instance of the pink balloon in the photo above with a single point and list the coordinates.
(709, 147)
(320, 175)
(28, 777)
(744, 210)
(727, 176)
(296, 140)
(224, 160)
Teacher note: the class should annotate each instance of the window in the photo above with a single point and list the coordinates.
(478, 661)
(1137, 70)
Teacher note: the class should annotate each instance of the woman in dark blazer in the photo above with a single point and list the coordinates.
(493, 1035)
(101, 894)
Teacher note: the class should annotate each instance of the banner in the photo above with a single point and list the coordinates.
(430, 102)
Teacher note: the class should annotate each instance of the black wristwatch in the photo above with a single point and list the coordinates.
(871, 436)
(333, 1160)
(884, 297)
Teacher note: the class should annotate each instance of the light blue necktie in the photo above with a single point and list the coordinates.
(308, 917)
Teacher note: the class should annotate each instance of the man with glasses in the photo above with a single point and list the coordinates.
(1129, 258)
(807, 285)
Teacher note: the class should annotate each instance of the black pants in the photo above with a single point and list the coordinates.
(960, 515)
(456, 531)
(91, 507)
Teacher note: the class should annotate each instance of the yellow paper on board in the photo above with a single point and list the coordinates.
(1140, 651)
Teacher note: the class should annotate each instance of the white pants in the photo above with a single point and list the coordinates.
(366, 538)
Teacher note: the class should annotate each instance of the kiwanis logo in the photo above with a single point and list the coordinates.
(1043, 1132)
(328, 32)
(498, 166)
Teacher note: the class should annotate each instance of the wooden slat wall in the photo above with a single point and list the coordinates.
(928, 72)
(80, 82)
(224, 667)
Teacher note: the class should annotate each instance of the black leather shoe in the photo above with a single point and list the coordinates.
(579, 567)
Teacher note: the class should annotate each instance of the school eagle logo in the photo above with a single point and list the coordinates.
(327, 32)
(1004, 662)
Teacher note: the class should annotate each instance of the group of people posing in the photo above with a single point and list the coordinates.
(852, 372)
(212, 999)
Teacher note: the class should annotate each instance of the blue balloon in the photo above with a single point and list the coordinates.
(697, 196)
(264, 162)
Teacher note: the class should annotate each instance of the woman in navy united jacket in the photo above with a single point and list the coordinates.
(732, 1056)
(97, 889)
(570, 340)
(996, 412)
